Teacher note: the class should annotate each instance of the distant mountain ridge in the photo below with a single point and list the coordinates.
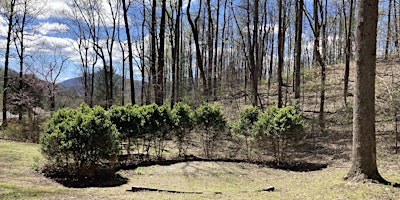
(76, 85)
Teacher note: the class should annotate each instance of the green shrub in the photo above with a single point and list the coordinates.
(81, 140)
(242, 128)
(210, 123)
(155, 126)
(279, 127)
(182, 118)
(127, 120)
(164, 123)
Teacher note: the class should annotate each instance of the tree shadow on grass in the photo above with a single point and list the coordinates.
(290, 166)
(101, 178)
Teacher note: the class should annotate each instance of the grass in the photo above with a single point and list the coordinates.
(20, 180)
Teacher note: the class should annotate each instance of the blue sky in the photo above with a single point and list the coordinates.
(50, 35)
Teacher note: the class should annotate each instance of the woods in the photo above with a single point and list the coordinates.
(166, 58)
(202, 49)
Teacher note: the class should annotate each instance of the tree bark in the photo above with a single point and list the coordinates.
(364, 143)
(388, 30)
(153, 71)
(130, 52)
(10, 22)
(281, 41)
(348, 52)
(175, 55)
(159, 89)
(210, 35)
(199, 57)
(297, 51)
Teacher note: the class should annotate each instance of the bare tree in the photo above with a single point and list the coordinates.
(125, 8)
(8, 11)
(159, 87)
(49, 68)
(348, 30)
(281, 43)
(195, 30)
(388, 31)
(176, 54)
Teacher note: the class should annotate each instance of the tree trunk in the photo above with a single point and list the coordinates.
(348, 52)
(130, 53)
(175, 55)
(10, 22)
(199, 57)
(159, 98)
(364, 142)
(297, 53)
(388, 30)
(281, 41)
(153, 71)
(21, 55)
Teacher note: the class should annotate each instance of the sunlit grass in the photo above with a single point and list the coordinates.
(19, 180)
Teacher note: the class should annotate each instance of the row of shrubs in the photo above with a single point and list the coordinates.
(86, 138)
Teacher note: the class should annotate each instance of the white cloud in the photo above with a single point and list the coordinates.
(52, 8)
(46, 28)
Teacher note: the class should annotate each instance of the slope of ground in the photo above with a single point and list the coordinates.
(19, 180)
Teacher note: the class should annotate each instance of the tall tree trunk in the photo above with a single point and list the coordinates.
(159, 98)
(10, 22)
(363, 165)
(388, 30)
(153, 48)
(130, 52)
(396, 29)
(215, 70)
(318, 58)
(271, 61)
(199, 57)
(220, 61)
(210, 35)
(21, 55)
(297, 51)
(175, 55)
(281, 41)
(348, 52)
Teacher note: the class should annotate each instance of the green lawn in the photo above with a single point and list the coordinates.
(20, 180)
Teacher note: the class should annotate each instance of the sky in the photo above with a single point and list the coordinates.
(48, 34)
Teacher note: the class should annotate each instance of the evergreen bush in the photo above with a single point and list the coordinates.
(279, 127)
(210, 124)
(82, 140)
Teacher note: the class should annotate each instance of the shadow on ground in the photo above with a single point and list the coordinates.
(290, 166)
(102, 178)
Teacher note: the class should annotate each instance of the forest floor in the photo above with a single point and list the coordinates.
(20, 163)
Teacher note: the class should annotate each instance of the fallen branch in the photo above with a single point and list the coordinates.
(141, 189)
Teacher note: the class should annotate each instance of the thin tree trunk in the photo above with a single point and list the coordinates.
(153, 49)
(199, 57)
(21, 57)
(210, 35)
(159, 98)
(130, 52)
(388, 30)
(281, 41)
(348, 53)
(10, 22)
